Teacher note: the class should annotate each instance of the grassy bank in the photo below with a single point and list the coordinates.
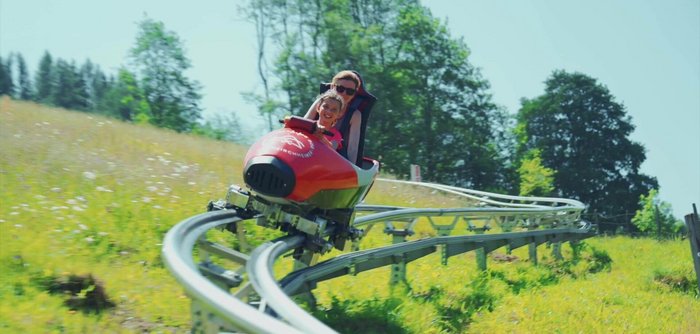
(85, 202)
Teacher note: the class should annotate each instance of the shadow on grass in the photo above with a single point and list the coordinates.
(362, 316)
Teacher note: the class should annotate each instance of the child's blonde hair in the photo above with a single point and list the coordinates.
(332, 95)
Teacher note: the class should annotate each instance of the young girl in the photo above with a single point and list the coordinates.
(346, 84)
(330, 109)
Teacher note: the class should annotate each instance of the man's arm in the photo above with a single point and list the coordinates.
(312, 113)
(353, 140)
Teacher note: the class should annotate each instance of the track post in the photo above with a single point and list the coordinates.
(693, 223)
(532, 247)
(556, 251)
(481, 252)
(398, 269)
(443, 231)
(507, 224)
(306, 259)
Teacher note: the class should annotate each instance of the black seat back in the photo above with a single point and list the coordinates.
(363, 101)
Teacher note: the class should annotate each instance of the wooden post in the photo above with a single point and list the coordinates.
(693, 223)
(658, 222)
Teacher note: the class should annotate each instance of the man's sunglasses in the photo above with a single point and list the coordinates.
(347, 91)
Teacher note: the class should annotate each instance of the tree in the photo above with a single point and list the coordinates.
(25, 91)
(433, 107)
(159, 58)
(583, 134)
(221, 127)
(69, 89)
(96, 84)
(125, 100)
(44, 79)
(6, 82)
(655, 216)
(535, 179)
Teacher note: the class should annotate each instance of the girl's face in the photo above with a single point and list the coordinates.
(328, 112)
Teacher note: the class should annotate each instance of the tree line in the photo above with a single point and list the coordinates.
(154, 90)
(435, 108)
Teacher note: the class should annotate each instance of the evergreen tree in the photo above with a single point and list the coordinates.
(6, 82)
(25, 90)
(69, 90)
(161, 62)
(96, 84)
(583, 134)
(44, 79)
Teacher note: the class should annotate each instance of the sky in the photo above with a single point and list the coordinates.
(647, 53)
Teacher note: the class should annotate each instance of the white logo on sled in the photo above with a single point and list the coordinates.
(292, 145)
(291, 140)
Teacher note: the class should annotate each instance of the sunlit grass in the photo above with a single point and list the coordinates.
(82, 194)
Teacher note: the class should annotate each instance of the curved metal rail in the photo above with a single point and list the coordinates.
(216, 309)
(177, 256)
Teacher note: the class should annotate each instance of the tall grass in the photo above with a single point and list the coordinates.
(85, 202)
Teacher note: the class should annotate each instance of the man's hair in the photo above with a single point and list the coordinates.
(347, 75)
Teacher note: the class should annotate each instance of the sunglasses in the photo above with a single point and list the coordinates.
(347, 91)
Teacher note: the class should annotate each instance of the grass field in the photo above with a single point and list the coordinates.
(85, 202)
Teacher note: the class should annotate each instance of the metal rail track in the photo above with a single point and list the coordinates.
(216, 308)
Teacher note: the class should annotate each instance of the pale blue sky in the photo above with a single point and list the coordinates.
(646, 52)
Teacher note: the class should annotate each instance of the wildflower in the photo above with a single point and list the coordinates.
(89, 175)
(72, 201)
(81, 198)
(157, 207)
(14, 213)
(56, 189)
(191, 183)
(18, 225)
(77, 208)
(83, 227)
(102, 234)
(89, 240)
(152, 188)
(146, 199)
(103, 189)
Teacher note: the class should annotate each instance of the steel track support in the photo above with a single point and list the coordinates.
(398, 269)
(307, 259)
(532, 247)
(480, 252)
(556, 251)
(443, 230)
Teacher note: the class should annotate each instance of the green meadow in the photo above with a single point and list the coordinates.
(85, 202)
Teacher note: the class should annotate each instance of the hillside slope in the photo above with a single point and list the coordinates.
(88, 199)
